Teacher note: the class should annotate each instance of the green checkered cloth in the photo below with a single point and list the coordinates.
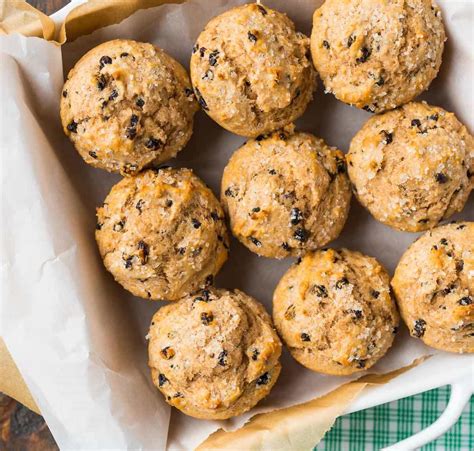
(389, 423)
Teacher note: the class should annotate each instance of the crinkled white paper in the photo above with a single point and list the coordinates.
(77, 337)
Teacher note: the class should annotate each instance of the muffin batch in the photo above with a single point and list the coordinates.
(213, 352)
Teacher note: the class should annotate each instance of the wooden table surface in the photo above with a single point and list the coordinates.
(48, 6)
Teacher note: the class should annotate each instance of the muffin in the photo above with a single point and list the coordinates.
(434, 287)
(251, 70)
(162, 234)
(376, 54)
(286, 193)
(214, 355)
(127, 105)
(412, 167)
(334, 311)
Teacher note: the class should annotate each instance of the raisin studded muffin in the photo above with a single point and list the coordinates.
(412, 167)
(215, 354)
(377, 54)
(286, 193)
(334, 311)
(162, 234)
(127, 105)
(434, 287)
(251, 70)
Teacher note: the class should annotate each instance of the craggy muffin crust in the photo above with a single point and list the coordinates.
(334, 311)
(215, 354)
(251, 70)
(377, 54)
(162, 234)
(434, 287)
(412, 167)
(286, 193)
(127, 105)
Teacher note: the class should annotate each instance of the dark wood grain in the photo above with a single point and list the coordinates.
(48, 6)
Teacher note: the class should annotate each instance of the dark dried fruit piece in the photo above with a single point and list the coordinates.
(64, 94)
(101, 82)
(139, 102)
(113, 95)
(360, 363)
(139, 205)
(207, 318)
(72, 126)
(326, 45)
(387, 137)
(153, 143)
(213, 56)
(124, 55)
(255, 209)
(350, 40)
(118, 226)
(222, 358)
(209, 280)
(209, 75)
(252, 37)
(366, 52)
(320, 291)
(178, 395)
(93, 154)
(301, 235)
(105, 60)
(285, 246)
(196, 224)
(380, 81)
(263, 379)
(255, 354)
(441, 178)
(144, 251)
(229, 192)
(296, 216)
(434, 117)
(128, 262)
(460, 227)
(262, 10)
(419, 328)
(416, 123)
(272, 172)
(342, 282)
(201, 100)
(255, 241)
(466, 300)
(305, 337)
(99, 225)
(357, 314)
(443, 241)
(195, 47)
(459, 265)
(375, 294)
(340, 165)
(162, 379)
(214, 216)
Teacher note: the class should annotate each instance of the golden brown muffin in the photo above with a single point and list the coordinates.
(127, 105)
(412, 167)
(162, 234)
(434, 287)
(377, 54)
(286, 193)
(334, 311)
(214, 355)
(251, 71)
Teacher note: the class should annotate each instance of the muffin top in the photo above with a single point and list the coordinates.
(334, 311)
(162, 234)
(377, 54)
(434, 287)
(127, 105)
(286, 193)
(412, 167)
(214, 354)
(251, 71)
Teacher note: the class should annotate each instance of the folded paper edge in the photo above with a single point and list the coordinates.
(20, 17)
(323, 412)
(11, 380)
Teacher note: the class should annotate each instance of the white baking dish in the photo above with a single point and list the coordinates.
(444, 369)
